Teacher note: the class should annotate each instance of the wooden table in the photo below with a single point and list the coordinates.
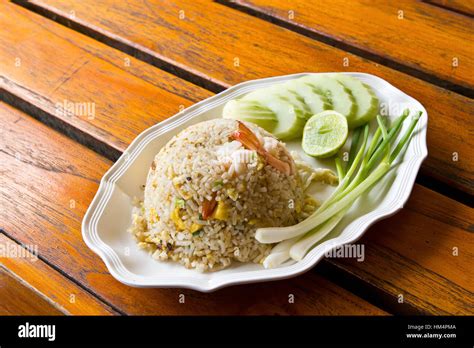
(138, 62)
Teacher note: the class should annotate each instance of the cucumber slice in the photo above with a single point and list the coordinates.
(251, 111)
(367, 102)
(291, 97)
(316, 102)
(291, 120)
(340, 97)
(280, 91)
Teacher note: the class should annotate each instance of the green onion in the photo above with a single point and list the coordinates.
(358, 157)
(340, 170)
(354, 164)
(179, 203)
(382, 126)
(406, 138)
(386, 142)
(218, 183)
(383, 129)
(354, 144)
(280, 253)
(376, 149)
(331, 212)
(300, 248)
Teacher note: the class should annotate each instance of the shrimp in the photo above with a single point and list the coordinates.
(250, 141)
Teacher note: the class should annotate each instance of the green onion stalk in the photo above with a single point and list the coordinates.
(364, 169)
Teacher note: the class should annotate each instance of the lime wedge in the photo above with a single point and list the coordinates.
(324, 134)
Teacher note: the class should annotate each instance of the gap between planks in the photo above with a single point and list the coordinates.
(126, 47)
(195, 77)
(427, 77)
(47, 116)
(366, 291)
(105, 301)
(449, 8)
(36, 292)
(84, 138)
(65, 275)
(199, 79)
(113, 153)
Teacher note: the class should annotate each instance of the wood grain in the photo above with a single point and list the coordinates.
(424, 253)
(66, 295)
(415, 36)
(119, 95)
(224, 47)
(17, 298)
(53, 172)
(461, 6)
(419, 237)
(74, 175)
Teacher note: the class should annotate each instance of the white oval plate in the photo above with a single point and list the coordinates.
(105, 224)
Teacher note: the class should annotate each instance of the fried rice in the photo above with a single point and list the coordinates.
(206, 194)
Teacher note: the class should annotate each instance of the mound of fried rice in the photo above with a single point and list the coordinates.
(203, 164)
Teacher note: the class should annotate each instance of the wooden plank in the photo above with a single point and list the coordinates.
(66, 295)
(461, 6)
(463, 218)
(421, 223)
(423, 253)
(361, 274)
(84, 87)
(219, 57)
(413, 36)
(20, 299)
(53, 172)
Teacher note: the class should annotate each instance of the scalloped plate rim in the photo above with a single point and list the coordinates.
(102, 197)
